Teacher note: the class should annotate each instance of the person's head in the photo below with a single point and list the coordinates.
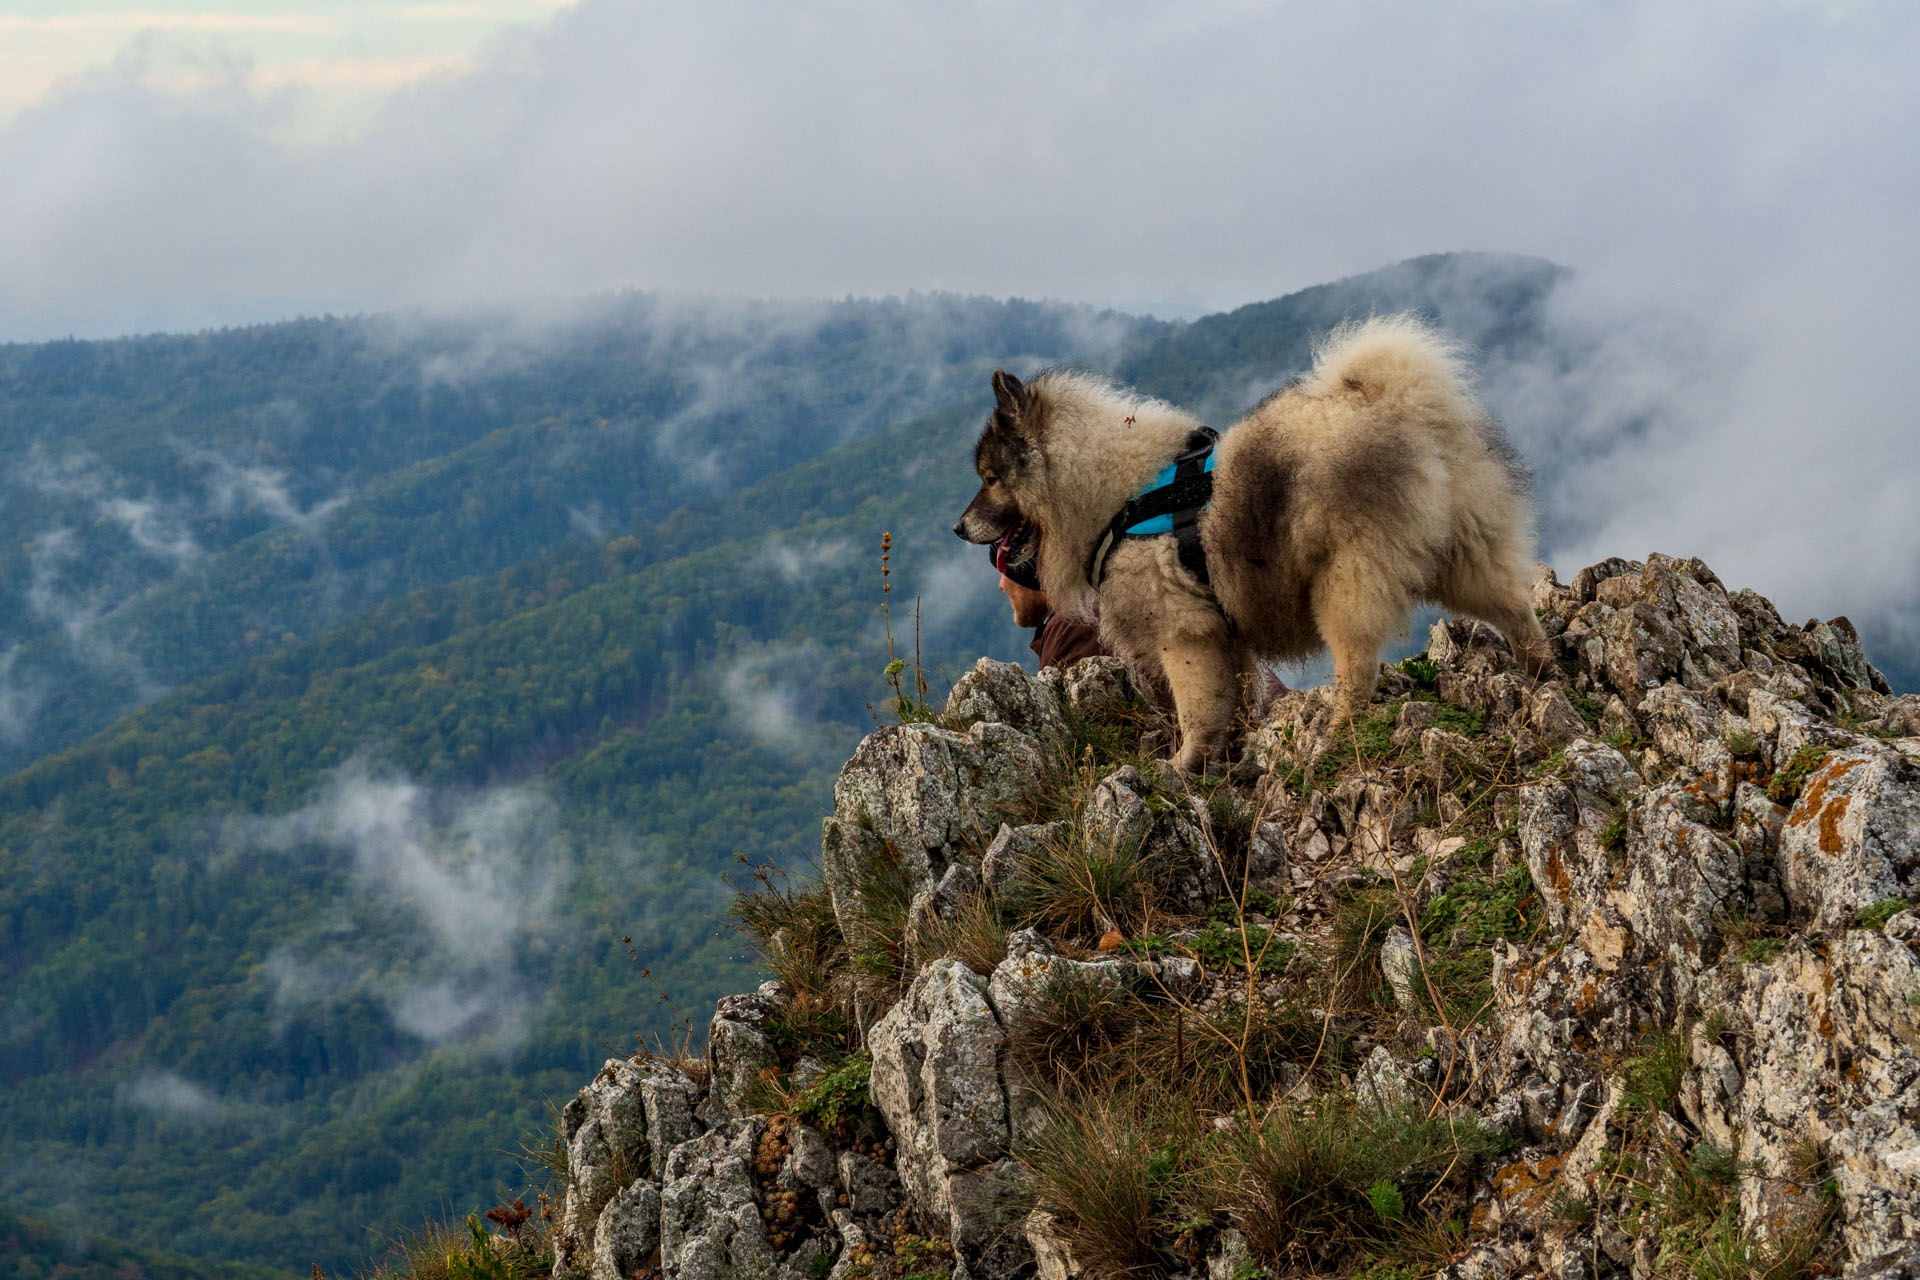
(1030, 605)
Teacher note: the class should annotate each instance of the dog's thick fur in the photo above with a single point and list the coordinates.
(1338, 502)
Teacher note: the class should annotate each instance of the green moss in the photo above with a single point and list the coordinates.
(1590, 709)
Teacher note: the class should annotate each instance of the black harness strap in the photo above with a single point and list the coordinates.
(1170, 507)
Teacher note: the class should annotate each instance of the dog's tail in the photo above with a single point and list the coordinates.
(1400, 364)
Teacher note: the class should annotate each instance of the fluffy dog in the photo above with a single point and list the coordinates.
(1374, 482)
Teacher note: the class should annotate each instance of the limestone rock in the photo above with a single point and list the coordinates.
(628, 1232)
(920, 794)
(936, 1079)
(605, 1130)
(739, 1054)
(1853, 837)
(710, 1225)
(1003, 693)
(1095, 687)
(1053, 1259)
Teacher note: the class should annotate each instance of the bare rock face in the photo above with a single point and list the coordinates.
(628, 1232)
(923, 796)
(936, 1079)
(1853, 837)
(710, 1224)
(1003, 693)
(618, 1131)
(739, 1053)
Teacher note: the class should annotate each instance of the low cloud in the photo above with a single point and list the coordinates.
(774, 697)
(173, 1097)
(801, 560)
(441, 892)
(956, 585)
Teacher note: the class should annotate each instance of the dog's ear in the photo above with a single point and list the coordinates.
(1009, 397)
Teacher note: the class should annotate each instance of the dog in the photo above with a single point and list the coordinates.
(1376, 481)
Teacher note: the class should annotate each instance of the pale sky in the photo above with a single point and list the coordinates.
(347, 55)
(1734, 181)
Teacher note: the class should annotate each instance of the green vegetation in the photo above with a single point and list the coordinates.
(1877, 915)
(1652, 1076)
(837, 1096)
(1784, 787)
(31, 1249)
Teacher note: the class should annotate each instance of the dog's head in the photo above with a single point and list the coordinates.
(1002, 458)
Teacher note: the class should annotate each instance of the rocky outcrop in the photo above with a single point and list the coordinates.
(1688, 862)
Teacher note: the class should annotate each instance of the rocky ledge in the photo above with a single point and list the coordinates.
(1613, 974)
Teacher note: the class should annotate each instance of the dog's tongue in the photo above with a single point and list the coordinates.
(1013, 555)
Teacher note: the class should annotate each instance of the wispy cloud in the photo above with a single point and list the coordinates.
(774, 697)
(802, 560)
(472, 875)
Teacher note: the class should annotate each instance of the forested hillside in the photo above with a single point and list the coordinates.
(369, 682)
(176, 505)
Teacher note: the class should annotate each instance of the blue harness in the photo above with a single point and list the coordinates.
(1170, 504)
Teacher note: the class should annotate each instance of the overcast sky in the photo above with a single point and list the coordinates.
(1735, 183)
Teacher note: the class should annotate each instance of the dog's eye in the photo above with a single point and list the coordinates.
(989, 479)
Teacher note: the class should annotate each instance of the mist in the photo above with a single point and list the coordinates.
(441, 891)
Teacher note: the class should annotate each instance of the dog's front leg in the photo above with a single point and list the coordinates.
(1205, 680)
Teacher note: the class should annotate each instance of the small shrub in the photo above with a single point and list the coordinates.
(1071, 1029)
(1424, 671)
(976, 935)
(1876, 916)
(875, 927)
(1360, 925)
(1713, 1164)
(1310, 1182)
(1784, 787)
(1081, 888)
(1743, 742)
(799, 939)
(839, 1095)
(1111, 1171)
(1387, 1201)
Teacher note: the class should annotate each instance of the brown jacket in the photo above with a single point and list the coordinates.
(1061, 641)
